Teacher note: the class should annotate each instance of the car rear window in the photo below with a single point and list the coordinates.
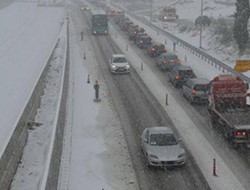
(201, 87)
(186, 73)
(171, 57)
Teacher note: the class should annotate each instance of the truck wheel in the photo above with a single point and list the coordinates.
(212, 121)
(191, 101)
(226, 134)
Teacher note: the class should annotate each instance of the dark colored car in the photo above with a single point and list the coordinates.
(139, 35)
(132, 28)
(144, 42)
(204, 20)
(124, 24)
(167, 61)
(132, 34)
(179, 75)
(156, 49)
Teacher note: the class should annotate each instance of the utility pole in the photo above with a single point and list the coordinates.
(151, 7)
(201, 24)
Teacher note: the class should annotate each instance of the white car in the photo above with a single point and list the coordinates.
(119, 64)
(161, 148)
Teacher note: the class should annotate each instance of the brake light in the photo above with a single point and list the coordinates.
(153, 49)
(240, 133)
(164, 62)
(178, 62)
(193, 91)
(177, 77)
(141, 42)
(165, 50)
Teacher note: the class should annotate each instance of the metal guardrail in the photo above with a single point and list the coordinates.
(192, 49)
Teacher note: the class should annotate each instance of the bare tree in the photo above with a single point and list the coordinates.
(240, 24)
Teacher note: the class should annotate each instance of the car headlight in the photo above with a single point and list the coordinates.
(127, 66)
(153, 156)
(113, 66)
(181, 155)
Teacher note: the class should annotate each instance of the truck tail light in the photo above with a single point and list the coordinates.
(177, 77)
(165, 50)
(153, 49)
(240, 133)
(164, 62)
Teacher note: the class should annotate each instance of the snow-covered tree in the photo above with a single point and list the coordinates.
(240, 24)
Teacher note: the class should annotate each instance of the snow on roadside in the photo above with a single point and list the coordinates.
(28, 34)
(31, 169)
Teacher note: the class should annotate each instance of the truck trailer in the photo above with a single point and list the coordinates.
(228, 108)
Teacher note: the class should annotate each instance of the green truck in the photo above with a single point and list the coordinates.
(99, 22)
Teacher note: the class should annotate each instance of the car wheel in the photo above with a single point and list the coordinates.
(183, 94)
(190, 100)
(148, 164)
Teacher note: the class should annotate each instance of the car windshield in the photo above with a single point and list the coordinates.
(119, 60)
(201, 87)
(162, 139)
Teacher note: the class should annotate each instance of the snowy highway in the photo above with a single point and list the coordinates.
(101, 145)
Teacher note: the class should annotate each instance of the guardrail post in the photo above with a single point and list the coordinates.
(166, 99)
(214, 167)
(81, 35)
(88, 80)
(84, 55)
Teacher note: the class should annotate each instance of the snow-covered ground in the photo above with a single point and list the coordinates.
(27, 39)
(28, 35)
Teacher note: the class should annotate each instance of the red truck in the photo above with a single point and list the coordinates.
(228, 108)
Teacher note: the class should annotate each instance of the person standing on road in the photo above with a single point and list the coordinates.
(96, 87)
(174, 44)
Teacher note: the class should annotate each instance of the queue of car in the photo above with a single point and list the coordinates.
(159, 144)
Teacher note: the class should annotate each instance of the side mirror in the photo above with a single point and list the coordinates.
(179, 140)
(145, 140)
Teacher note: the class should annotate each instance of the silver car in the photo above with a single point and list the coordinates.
(196, 90)
(161, 148)
(119, 64)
